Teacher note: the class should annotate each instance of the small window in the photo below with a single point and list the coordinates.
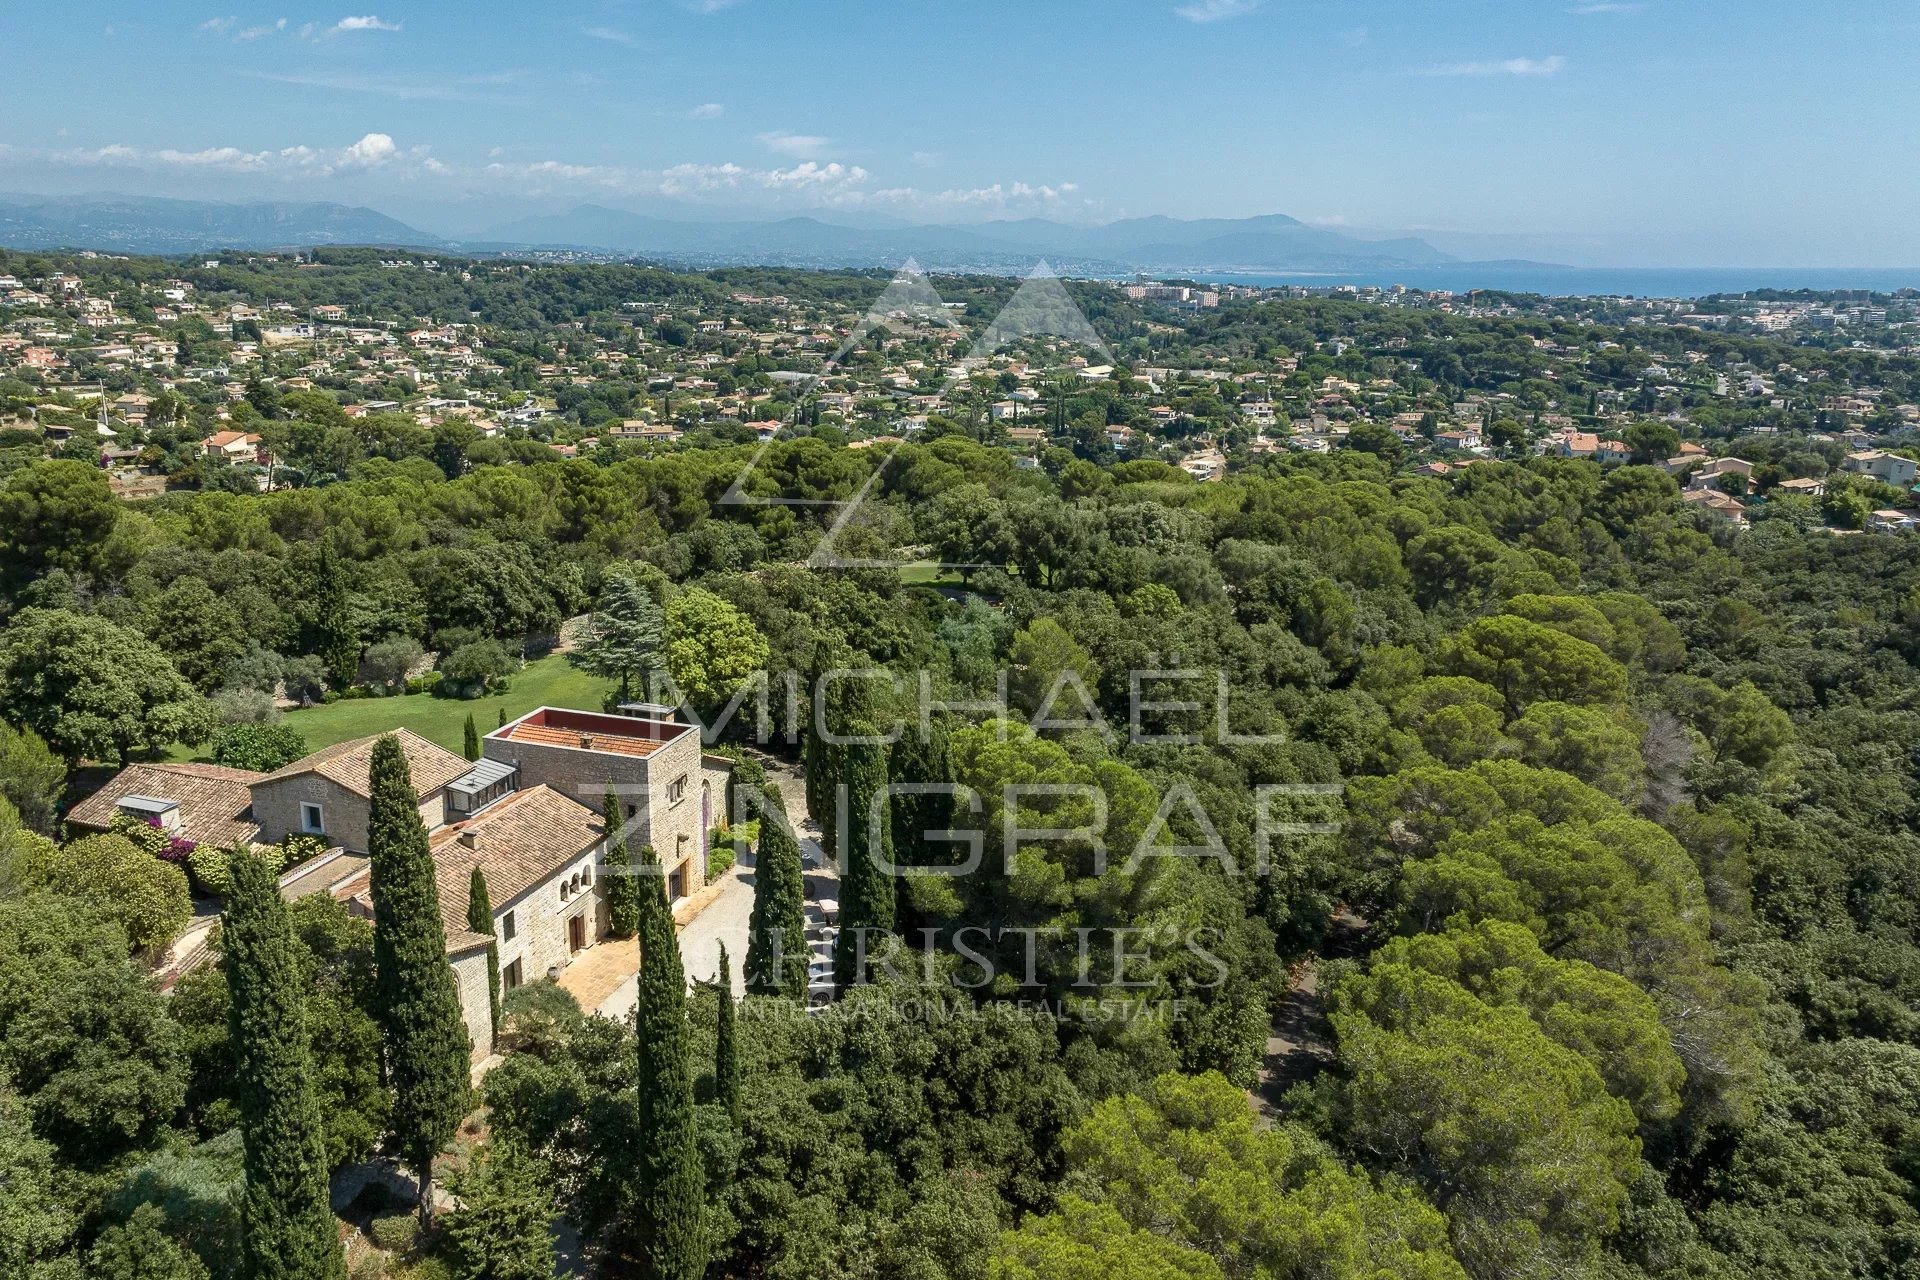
(506, 928)
(677, 789)
(312, 821)
(586, 876)
(510, 976)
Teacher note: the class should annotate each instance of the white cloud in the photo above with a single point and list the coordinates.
(375, 148)
(1216, 10)
(367, 23)
(793, 144)
(707, 111)
(372, 151)
(1507, 67)
(474, 88)
(607, 33)
(812, 174)
(218, 26)
(925, 159)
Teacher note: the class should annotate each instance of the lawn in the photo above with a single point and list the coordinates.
(929, 573)
(547, 682)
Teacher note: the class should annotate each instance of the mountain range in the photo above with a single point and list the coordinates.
(146, 224)
(1268, 243)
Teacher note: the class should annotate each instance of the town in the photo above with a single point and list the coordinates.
(515, 767)
(231, 373)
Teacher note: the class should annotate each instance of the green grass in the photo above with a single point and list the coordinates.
(547, 682)
(931, 573)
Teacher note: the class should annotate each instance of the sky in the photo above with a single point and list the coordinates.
(1596, 132)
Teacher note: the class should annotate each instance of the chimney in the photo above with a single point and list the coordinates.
(586, 742)
(470, 838)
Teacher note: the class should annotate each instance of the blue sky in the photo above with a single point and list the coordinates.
(1637, 132)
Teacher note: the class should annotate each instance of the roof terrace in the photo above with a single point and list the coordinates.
(592, 731)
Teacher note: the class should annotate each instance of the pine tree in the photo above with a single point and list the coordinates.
(623, 636)
(726, 1054)
(868, 895)
(416, 1001)
(289, 1230)
(623, 887)
(473, 738)
(480, 920)
(667, 1178)
(501, 1229)
(778, 926)
(338, 644)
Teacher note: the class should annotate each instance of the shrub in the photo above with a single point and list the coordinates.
(244, 706)
(396, 1233)
(469, 670)
(722, 853)
(207, 868)
(296, 849)
(305, 678)
(259, 747)
(149, 837)
(387, 663)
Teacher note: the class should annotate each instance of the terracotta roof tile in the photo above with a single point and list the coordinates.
(349, 763)
(517, 844)
(215, 804)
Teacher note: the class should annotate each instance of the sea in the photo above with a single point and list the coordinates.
(1588, 282)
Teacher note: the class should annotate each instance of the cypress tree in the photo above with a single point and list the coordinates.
(623, 887)
(415, 998)
(503, 718)
(473, 739)
(868, 896)
(338, 645)
(666, 1172)
(289, 1230)
(778, 926)
(726, 1054)
(480, 920)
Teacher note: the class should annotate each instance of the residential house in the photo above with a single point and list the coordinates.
(232, 447)
(204, 803)
(328, 793)
(1709, 476)
(1890, 520)
(1720, 504)
(1571, 444)
(1887, 468)
(1808, 487)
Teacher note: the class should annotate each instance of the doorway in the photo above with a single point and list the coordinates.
(577, 933)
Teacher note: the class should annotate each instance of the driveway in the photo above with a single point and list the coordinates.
(726, 917)
(724, 920)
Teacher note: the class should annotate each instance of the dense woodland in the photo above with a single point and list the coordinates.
(1616, 942)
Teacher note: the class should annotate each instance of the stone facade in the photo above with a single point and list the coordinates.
(277, 801)
(662, 790)
(476, 1006)
(543, 942)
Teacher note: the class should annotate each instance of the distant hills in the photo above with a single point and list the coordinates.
(144, 224)
(1269, 243)
(1273, 242)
